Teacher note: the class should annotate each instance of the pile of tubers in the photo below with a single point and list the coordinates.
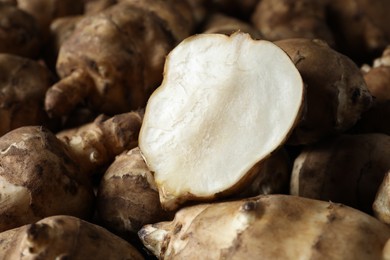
(194, 129)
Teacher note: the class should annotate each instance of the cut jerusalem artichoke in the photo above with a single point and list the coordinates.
(268, 227)
(114, 59)
(225, 104)
(38, 178)
(64, 237)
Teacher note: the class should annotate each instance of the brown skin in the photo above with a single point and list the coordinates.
(38, 178)
(60, 30)
(377, 77)
(64, 237)
(220, 23)
(128, 197)
(361, 27)
(19, 33)
(273, 176)
(381, 205)
(45, 11)
(95, 6)
(23, 84)
(285, 19)
(106, 67)
(96, 144)
(268, 227)
(336, 93)
(347, 169)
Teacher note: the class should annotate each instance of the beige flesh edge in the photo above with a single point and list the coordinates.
(224, 105)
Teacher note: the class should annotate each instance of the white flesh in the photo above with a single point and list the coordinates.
(225, 104)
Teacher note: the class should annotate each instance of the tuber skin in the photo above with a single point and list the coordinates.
(95, 145)
(127, 197)
(19, 32)
(60, 30)
(286, 19)
(381, 205)
(377, 77)
(361, 27)
(64, 237)
(45, 11)
(115, 67)
(38, 178)
(220, 23)
(23, 84)
(96, 6)
(268, 227)
(346, 169)
(272, 177)
(336, 93)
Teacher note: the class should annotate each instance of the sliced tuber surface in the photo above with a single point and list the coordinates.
(224, 105)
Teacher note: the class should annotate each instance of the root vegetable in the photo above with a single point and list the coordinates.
(268, 227)
(96, 144)
(381, 205)
(38, 178)
(361, 27)
(285, 19)
(224, 105)
(347, 169)
(45, 11)
(336, 94)
(96, 6)
(273, 176)
(377, 77)
(19, 33)
(64, 237)
(113, 60)
(23, 84)
(220, 23)
(128, 197)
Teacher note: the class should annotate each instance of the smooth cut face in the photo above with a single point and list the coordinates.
(225, 104)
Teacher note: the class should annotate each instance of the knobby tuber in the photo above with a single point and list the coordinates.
(64, 237)
(38, 178)
(268, 227)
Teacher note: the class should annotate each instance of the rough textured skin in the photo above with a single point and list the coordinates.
(64, 237)
(113, 60)
(381, 206)
(284, 19)
(19, 33)
(128, 197)
(45, 11)
(361, 27)
(96, 144)
(268, 227)
(23, 84)
(336, 92)
(38, 179)
(239, 8)
(347, 169)
(220, 23)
